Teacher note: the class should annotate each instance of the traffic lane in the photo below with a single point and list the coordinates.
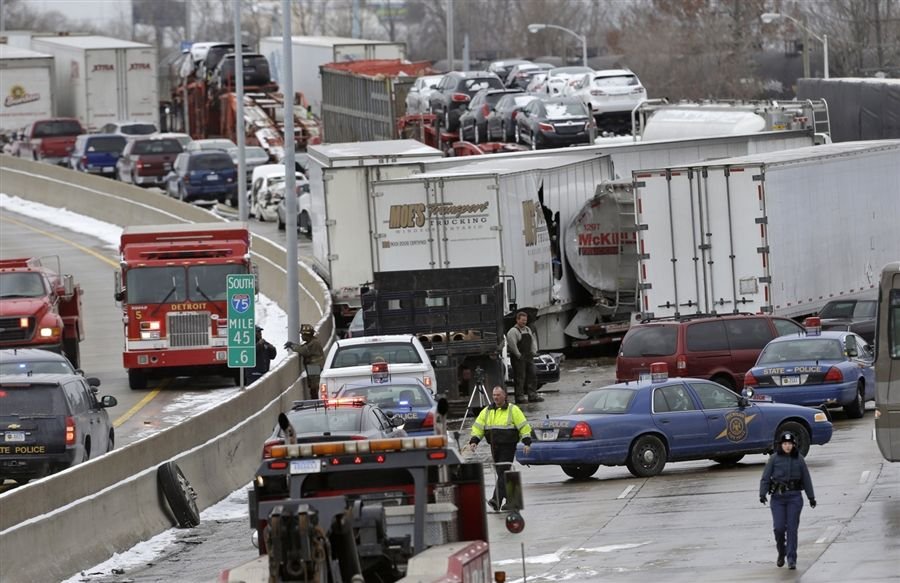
(702, 519)
(93, 263)
(270, 231)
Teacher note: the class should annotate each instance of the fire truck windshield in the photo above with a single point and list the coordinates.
(154, 285)
(21, 285)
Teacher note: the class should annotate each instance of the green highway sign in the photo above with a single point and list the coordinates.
(241, 291)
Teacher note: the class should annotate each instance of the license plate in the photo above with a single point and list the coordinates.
(108, 169)
(14, 436)
(305, 466)
(788, 380)
(212, 177)
(548, 434)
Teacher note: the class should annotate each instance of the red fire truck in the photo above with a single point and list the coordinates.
(40, 307)
(172, 291)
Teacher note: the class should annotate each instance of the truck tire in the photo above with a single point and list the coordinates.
(179, 495)
(137, 380)
(72, 351)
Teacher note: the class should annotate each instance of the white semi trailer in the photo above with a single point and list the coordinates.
(780, 233)
(26, 87)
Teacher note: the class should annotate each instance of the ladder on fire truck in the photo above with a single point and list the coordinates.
(626, 299)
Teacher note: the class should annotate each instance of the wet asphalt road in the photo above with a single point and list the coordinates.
(696, 521)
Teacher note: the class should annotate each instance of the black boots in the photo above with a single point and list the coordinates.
(780, 561)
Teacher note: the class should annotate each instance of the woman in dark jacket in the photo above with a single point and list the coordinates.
(784, 477)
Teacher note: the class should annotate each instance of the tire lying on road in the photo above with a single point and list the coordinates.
(179, 495)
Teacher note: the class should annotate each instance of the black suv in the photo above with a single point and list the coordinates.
(50, 422)
(854, 315)
(452, 95)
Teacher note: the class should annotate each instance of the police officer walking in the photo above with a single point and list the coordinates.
(522, 346)
(784, 477)
(503, 425)
(313, 356)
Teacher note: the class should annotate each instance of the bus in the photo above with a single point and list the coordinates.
(887, 364)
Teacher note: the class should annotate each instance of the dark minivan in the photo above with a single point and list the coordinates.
(49, 422)
(718, 348)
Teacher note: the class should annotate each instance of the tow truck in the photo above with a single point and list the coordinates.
(40, 307)
(395, 509)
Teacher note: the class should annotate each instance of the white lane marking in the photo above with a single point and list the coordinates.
(625, 493)
(829, 534)
(864, 477)
(873, 434)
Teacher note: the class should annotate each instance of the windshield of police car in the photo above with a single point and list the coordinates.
(21, 285)
(801, 350)
(604, 401)
(367, 354)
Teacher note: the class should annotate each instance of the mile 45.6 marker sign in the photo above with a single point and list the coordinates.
(241, 291)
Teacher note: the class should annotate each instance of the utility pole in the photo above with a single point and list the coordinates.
(450, 48)
(239, 125)
(290, 180)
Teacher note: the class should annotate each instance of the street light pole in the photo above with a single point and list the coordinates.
(533, 28)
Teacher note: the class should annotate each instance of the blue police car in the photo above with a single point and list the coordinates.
(643, 425)
(405, 398)
(831, 369)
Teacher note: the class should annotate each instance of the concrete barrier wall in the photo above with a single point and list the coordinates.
(114, 499)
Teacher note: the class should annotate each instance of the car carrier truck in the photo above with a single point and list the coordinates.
(172, 290)
(780, 233)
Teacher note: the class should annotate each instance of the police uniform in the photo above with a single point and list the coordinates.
(265, 352)
(313, 357)
(503, 427)
(784, 477)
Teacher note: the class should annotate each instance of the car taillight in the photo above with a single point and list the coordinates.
(485, 110)
(514, 114)
(426, 380)
(84, 160)
(834, 375)
(582, 431)
(70, 430)
(597, 93)
(459, 97)
(638, 90)
(681, 363)
(546, 127)
(323, 391)
(139, 165)
(379, 367)
(750, 380)
(268, 445)
(428, 421)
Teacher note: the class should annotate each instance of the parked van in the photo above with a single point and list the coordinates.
(719, 348)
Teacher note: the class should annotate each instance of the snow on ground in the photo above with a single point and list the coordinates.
(268, 315)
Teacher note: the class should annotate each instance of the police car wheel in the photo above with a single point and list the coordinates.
(580, 471)
(179, 494)
(857, 408)
(799, 431)
(647, 457)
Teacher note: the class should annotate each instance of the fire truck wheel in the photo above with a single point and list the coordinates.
(179, 495)
(137, 380)
(72, 351)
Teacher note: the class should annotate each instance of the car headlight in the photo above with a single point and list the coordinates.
(49, 332)
(821, 416)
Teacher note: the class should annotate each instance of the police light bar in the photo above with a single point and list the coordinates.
(333, 448)
(813, 326)
(659, 372)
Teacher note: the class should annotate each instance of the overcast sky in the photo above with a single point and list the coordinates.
(97, 11)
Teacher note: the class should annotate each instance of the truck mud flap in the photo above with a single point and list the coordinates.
(179, 495)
